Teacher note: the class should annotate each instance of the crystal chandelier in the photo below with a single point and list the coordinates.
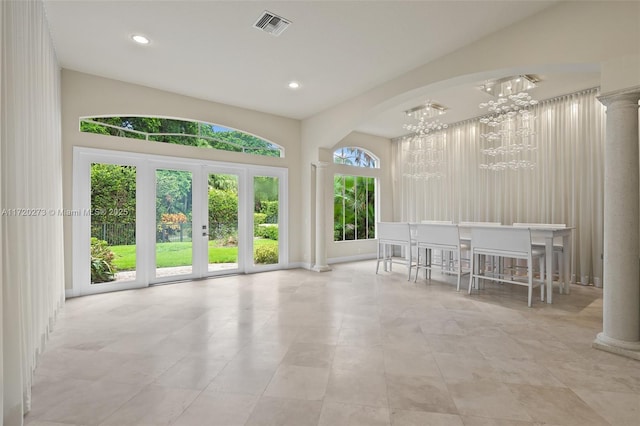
(425, 151)
(428, 110)
(508, 145)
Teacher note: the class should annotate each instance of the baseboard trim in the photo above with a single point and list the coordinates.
(299, 265)
(354, 258)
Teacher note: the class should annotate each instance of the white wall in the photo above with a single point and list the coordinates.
(621, 73)
(87, 95)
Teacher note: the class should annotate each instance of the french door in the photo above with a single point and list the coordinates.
(220, 229)
(149, 220)
(174, 245)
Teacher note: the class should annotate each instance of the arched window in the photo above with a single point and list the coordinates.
(353, 156)
(354, 212)
(181, 132)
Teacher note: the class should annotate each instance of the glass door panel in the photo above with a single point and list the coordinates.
(174, 205)
(265, 220)
(222, 218)
(210, 219)
(113, 223)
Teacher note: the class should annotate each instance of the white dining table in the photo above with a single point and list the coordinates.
(548, 233)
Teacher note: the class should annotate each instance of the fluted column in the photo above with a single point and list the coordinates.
(321, 231)
(621, 293)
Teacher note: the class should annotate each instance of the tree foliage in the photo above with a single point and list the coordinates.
(113, 190)
(181, 132)
(113, 203)
(223, 182)
(173, 192)
(353, 156)
(354, 207)
(265, 188)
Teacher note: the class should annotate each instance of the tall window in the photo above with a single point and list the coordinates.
(354, 196)
(181, 132)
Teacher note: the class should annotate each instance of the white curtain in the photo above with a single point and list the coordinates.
(32, 278)
(566, 186)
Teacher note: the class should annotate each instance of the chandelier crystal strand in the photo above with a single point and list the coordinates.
(426, 144)
(508, 144)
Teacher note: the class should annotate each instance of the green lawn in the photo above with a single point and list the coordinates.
(179, 254)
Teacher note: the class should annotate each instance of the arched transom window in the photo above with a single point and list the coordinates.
(181, 132)
(353, 156)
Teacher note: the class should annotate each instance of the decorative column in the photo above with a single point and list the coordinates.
(621, 280)
(321, 213)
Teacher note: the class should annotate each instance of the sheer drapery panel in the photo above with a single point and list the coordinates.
(566, 186)
(31, 228)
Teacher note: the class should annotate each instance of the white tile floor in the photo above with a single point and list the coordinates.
(346, 347)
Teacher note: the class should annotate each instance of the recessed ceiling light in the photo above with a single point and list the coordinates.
(140, 39)
(294, 85)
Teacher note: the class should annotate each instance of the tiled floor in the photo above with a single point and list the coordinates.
(346, 347)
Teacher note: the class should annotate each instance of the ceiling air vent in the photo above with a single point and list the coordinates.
(271, 23)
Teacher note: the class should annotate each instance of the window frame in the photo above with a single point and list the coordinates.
(148, 137)
(356, 171)
(146, 164)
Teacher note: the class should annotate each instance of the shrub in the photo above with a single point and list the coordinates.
(259, 218)
(223, 213)
(266, 254)
(267, 230)
(270, 209)
(102, 269)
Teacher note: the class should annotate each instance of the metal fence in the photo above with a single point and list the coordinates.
(174, 232)
(115, 234)
(120, 234)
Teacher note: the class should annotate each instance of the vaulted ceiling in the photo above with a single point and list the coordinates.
(335, 49)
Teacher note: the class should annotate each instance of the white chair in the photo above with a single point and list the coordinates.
(392, 234)
(465, 228)
(539, 243)
(443, 261)
(505, 242)
(465, 235)
(443, 237)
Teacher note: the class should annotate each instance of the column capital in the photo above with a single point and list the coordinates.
(321, 164)
(631, 96)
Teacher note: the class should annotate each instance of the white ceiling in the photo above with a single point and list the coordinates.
(335, 49)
